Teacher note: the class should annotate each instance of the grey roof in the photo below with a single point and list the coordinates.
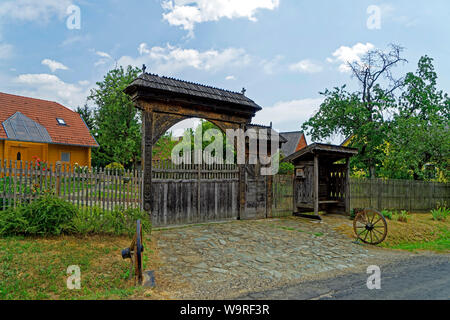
(293, 138)
(175, 86)
(21, 128)
(269, 131)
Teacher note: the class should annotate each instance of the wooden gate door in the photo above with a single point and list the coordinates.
(255, 194)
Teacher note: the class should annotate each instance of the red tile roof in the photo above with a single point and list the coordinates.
(45, 113)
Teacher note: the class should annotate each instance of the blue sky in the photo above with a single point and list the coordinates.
(284, 52)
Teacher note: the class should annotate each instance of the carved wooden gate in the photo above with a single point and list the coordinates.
(255, 194)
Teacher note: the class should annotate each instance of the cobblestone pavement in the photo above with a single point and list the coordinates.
(229, 260)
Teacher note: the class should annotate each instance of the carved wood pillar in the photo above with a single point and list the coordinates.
(147, 149)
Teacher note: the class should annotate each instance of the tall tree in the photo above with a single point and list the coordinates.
(87, 115)
(420, 133)
(361, 114)
(117, 121)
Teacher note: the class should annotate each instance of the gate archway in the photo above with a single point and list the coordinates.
(166, 101)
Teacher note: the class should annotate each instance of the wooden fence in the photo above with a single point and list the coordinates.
(192, 193)
(22, 182)
(380, 194)
(410, 195)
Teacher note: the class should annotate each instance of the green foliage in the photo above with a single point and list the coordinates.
(116, 167)
(419, 144)
(412, 144)
(403, 216)
(117, 222)
(286, 168)
(48, 215)
(440, 213)
(387, 214)
(117, 123)
(13, 222)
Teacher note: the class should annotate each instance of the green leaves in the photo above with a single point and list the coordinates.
(116, 122)
(398, 136)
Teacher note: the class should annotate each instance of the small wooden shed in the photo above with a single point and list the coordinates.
(321, 178)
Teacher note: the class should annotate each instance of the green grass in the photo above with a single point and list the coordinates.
(35, 268)
(441, 244)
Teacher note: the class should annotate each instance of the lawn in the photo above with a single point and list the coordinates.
(421, 232)
(36, 268)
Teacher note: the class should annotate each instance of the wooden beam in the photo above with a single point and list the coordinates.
(316, 184)
(347, 187)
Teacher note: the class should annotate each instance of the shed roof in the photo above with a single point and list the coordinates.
(332, 152)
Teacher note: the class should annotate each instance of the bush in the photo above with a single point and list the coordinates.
(402, 216)
(115, 166)
(440, 214)
(286, 168)
(48, 215)
(117, 222)
(387, 214)
(13, 222)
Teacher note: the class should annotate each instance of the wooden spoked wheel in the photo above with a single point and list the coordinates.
(138, 249)
(370, 226)
(134, 253)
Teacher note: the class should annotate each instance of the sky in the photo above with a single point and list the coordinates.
(284, 52)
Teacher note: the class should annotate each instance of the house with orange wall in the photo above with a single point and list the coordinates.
(33, 128)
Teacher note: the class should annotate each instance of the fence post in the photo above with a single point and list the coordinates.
(58, 178)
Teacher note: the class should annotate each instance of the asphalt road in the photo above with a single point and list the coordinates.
(418, 278)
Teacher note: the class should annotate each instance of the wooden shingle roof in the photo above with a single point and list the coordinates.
(153, 82)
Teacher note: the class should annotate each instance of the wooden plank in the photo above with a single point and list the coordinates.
(316, 184)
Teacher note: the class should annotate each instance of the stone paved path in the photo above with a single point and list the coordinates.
(222, 261)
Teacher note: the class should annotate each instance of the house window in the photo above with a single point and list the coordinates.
(19, 156)
(65, 156)
(61, 122)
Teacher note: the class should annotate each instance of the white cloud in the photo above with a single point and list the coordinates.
(306, 66)
(105, 58)
(6, 50)
(54, 65)
(50, 87)
(273, 65)
(288, 115)
(32, 10)
(345, 55)
(169, 60)
(230, 78)
(186, 13)
(83, 83)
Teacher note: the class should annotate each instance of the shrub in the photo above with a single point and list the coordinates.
(440, 213)
(402, 216)
(48, 215)
(13, 222)
(117, 222)
(115, 166)
(286, 168)
(387, 214)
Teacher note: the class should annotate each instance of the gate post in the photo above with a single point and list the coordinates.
(147, 149)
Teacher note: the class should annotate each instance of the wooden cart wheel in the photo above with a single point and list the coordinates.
(370, 226)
